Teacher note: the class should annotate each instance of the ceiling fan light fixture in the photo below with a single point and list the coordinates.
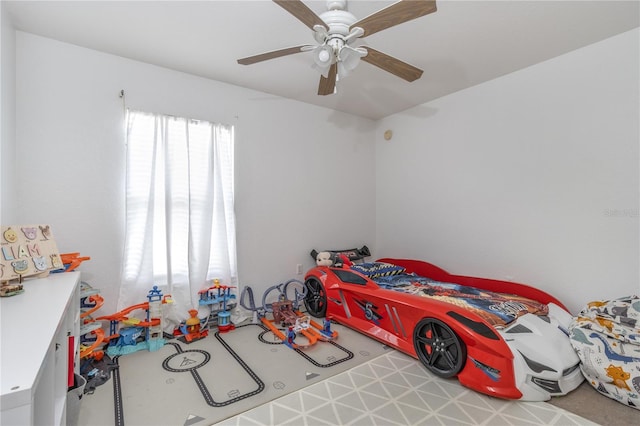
(324, 56)
(349, 57)
(324, 70)
(343, 71)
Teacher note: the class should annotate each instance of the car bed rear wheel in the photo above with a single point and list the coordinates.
(439, 348)
(316, 298)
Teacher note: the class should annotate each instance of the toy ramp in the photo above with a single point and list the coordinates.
(606, 337)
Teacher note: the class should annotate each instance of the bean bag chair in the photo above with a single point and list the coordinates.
(606, 337)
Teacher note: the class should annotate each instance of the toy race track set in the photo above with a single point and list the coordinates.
(206, 373)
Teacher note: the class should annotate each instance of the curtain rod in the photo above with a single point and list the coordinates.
(122, 96)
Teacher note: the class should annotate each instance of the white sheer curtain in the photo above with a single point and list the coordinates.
(180, 221)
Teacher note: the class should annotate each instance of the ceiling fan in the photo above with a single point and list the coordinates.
(339, 33)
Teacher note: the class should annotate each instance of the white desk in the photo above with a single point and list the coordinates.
(35, 328)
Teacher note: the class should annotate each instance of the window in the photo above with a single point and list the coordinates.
(180, 222)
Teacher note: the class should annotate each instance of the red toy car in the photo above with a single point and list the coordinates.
(500, 338)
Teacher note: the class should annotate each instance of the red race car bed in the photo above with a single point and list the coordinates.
(500, 338)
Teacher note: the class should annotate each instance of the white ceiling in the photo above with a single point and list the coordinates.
(463, 44)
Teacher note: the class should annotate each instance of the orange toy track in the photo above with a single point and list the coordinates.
(311, 333)
(312, 339)
(99, 340)
(73, 260)
(98, 300)
(334, 334)
(122, 316)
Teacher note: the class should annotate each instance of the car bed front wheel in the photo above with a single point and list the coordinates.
(316, 298)
(439, 348)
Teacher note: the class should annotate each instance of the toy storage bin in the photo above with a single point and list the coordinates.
(74, 397)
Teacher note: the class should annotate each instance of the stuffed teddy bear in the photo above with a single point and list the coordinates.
(324, 258)
(339, 260)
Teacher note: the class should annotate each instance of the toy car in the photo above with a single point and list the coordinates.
(499, 338)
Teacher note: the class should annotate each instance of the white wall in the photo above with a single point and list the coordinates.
(532, 177)
(293, 161)
(8, 192)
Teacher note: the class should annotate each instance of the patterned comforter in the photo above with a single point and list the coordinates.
(499, 309)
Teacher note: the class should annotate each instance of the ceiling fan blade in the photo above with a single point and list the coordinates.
(397, 13)
(328, 85)
(302, 12)
(392, 65)
(272, 55)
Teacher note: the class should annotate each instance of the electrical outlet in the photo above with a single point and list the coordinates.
(299, 269)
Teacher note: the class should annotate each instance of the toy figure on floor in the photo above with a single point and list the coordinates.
(291, 335)
(191, 329)
(327, 325)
